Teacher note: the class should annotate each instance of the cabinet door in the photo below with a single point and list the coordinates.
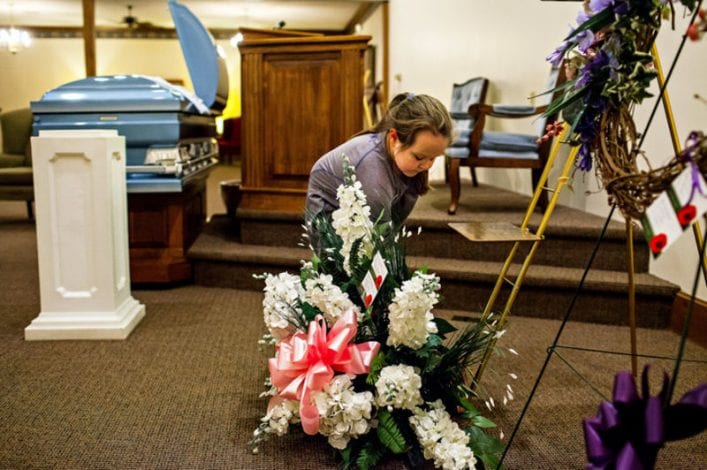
(301, 107)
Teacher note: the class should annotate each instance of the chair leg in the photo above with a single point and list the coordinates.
(454, 185)
(30, 212)
(474, 181)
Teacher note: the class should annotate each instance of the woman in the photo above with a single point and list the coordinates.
(391, 160)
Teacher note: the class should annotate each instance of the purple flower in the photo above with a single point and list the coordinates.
(582, 16)
(621, 7)
(592, 69)
(585, 39)
(585, 157)
(556, 56)
(598, 5)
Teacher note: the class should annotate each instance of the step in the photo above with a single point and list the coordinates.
(562, 245)
(221, 260)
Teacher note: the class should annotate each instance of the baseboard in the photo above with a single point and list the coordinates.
(698, 323)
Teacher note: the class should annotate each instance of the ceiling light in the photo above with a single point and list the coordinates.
(14, 39)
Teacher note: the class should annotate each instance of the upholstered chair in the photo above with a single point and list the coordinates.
(485, 148)
(16, 182)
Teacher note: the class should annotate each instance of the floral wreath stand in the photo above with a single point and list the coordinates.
(632, 191)
(629, 189)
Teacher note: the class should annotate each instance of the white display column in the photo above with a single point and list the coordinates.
(82, 237)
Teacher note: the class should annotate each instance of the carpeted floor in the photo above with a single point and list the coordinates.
(182, 391)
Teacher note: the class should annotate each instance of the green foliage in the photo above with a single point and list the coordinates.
(376, 366)
(486, 448)
(369, 456)
(389, 433)
(444, 327)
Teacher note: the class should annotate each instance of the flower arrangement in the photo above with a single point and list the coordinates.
(609, 68)
(361, 359)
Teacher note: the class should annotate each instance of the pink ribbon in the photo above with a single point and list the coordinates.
(306, 363)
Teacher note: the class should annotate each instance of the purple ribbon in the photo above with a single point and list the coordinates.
(689, 154)
(627, 433)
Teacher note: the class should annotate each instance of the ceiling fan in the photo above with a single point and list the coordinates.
(132, 22)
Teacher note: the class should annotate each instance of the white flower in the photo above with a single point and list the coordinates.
(277, 421)
(441, 438)
(279, 417)
(410, 312)
(351, 220)
(321, 293)
(343, 413)
(399, 387)
(281, 310)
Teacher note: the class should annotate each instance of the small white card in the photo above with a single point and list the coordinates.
(682, 192)
(368, 286)
(373, 280)
(674, 210)
(380, 270)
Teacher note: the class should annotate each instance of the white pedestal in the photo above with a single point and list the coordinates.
(82, 237)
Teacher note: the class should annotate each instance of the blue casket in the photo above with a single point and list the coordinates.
(170, 133)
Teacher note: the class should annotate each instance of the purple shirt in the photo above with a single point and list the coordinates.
(387, 189)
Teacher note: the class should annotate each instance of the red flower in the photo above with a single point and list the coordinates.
(693, 32)
(687, 214)
(658, 243)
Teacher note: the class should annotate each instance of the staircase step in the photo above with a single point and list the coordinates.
(565, 243)
(221, 259)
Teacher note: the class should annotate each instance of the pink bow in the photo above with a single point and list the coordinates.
(304, 364)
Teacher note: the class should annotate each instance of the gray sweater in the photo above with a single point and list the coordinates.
(387, 189)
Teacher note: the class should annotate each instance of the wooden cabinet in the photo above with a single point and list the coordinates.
(161, 227)
(301, 97)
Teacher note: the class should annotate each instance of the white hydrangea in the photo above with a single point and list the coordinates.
(410, 312)
(441, 439)
(281, 416)
(281, 309)
(351, 220)
(399, 387)
(343, 413)
(277, 421)
(321, 293)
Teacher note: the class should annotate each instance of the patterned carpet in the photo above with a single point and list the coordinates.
(182, 391)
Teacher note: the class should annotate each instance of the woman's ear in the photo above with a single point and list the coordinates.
(393, 134)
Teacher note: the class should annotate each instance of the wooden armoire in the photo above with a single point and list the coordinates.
(302, 95)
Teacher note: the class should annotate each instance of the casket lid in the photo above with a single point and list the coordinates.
(207, 68)
(119, 93)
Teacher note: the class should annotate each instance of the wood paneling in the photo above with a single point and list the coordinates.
(161, 227)
(302, 96)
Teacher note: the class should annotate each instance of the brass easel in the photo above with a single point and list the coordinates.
(495, 232)
(480, 232)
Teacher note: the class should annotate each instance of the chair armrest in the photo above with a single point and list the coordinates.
(505, 111)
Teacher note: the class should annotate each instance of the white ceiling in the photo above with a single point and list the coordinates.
(227, 14)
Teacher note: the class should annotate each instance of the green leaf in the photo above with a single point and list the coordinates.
(345, 458)
(470, 409)
(369, 456)
(444, 327)
(481, 422)
(375, 370)
(490, 461)
(309, 311)
(482, 443)
(595, 22)
(389, 433)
